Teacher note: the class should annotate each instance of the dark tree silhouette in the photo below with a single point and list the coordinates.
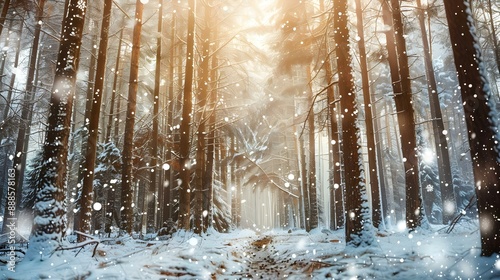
(481, 120)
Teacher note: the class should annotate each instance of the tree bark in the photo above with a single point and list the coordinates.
(12, 81)
(440, 138)
(151, 195)
(113, 90)
(311, 175)
(304, 185)
(3, 14)
(87, 194)
(25, 121)
(128, 144)
(208, 178)
(358, 227)
(199, 190)
(185, 144)
(481, 119)
(50, 223)
(370, 133)
(168, 184)
(406, 122)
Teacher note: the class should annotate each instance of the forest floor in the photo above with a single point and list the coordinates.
(277, 254)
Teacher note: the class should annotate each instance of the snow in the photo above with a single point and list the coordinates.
(293, 254)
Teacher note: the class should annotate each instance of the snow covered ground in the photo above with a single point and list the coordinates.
(292, 254)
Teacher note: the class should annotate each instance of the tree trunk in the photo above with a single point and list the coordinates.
(113, 90)
(396, 87)
(210, 157)
(87, 194)
(116, 129)
(88, 106)
(406, 121)
(185, 145)
(384, 184)
(4, 108)
(25, 121)
(199, 190)
(313, 197)
(438, 129)
(236, 189)
(370, 133)
(400, 75)
(208, 178)
(358, 227)
(3, 14)
(151, 195)
(336, 196)
(168, 184)
(303, 185)
(481, 120)
(128, 144)
(50, 223)
(12, 80)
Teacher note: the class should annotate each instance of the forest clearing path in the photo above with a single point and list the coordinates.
(278, 255)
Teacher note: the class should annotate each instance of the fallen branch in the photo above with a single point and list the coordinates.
(462, 213)
(81, 244)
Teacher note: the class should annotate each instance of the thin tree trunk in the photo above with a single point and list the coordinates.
(113, 91)
(12, 79)
(384, 184)
(440, 141)
(185, 145)
(313, 197)
(209, 169)
(370, 133)
(86, 120)
(25, 121)
(304, 186)
(87, 194)
(4, 108)
(236, 188)
(3, 15)
(168, 185)
(199, 190)
(88, 103)
(151, 195)
(406, 121)
(128, 144)
(208, 177)
(396, 87)
(116, 129)
(336, 186)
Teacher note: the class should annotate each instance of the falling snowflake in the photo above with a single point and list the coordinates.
(97, 206)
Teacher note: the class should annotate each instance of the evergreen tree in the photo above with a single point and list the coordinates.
(50, 218)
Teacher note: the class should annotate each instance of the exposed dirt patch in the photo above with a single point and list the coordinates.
(263, 242)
